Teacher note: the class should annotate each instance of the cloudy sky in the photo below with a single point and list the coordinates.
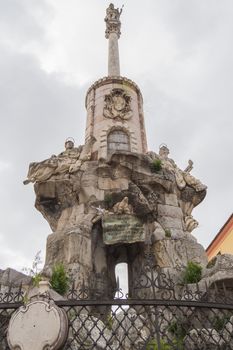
(179, 52)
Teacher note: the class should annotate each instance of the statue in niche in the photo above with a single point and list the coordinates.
(61, 164)
(123, 207)
(118, 105)
(183, 177)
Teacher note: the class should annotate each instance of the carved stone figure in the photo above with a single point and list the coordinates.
(85, 155)
(61, 164)
(112, 20)
(100, 212)
(41, 171)
(68, 158)
(123, 207)
(190, 223)
(182, 177)
(118, 105)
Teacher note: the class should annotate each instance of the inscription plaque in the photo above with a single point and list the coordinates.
(122, 229)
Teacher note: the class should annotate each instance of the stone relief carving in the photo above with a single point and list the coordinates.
(118, 105)
(190, 223)
(123, 207)
(100, 213)
(112, 19)
(183, 177)
(68, 161)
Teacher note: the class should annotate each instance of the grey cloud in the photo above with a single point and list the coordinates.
(38, 112)
(21, 22)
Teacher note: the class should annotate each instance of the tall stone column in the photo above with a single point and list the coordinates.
(113, 56)
(113, 26)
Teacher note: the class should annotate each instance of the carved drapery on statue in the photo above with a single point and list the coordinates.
(118, 105)
(183, 177)
(68, 161)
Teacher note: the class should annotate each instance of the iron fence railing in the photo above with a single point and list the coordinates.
(156, 315)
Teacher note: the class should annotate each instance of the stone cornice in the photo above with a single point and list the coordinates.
(113, 80)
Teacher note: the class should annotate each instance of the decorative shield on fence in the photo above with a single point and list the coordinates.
(38, 325)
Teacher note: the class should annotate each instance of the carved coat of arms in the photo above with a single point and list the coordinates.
(118, 105)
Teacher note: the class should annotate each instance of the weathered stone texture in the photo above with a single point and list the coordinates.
(177, 253)
(170, 211)
(142, 207)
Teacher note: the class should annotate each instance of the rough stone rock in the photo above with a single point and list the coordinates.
(91, 331)
(134, 325)
(158, 233)
(176, 253)
(12, 277)
(169, 223)
(210, 337)
(75, 203)
(171, 199)
(109, 184)
(170, 211)
(72, 248)
(53, 197)
(219, 271)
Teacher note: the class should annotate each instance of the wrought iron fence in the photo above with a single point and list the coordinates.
(157, 315)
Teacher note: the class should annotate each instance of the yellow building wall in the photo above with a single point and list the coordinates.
(225, 245)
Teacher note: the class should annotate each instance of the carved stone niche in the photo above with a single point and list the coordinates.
(118, 105)
(39, 325)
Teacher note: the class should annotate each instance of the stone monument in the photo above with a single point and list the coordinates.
(110, 200)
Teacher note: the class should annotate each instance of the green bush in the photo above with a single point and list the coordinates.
(109, 322)
(59, 280)
(193, 273)
(179, 332)
(108, 200)
(220, 322)
(168, 233)
(36, 279)
(156, 165)
(153, 345)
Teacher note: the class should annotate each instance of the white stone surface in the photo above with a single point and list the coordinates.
(37, 326)
(113, 56)
(99, 126)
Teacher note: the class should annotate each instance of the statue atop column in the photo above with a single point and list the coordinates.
(112, 19)
(112, 33)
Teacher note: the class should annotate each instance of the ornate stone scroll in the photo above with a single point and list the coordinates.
(118, 105)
